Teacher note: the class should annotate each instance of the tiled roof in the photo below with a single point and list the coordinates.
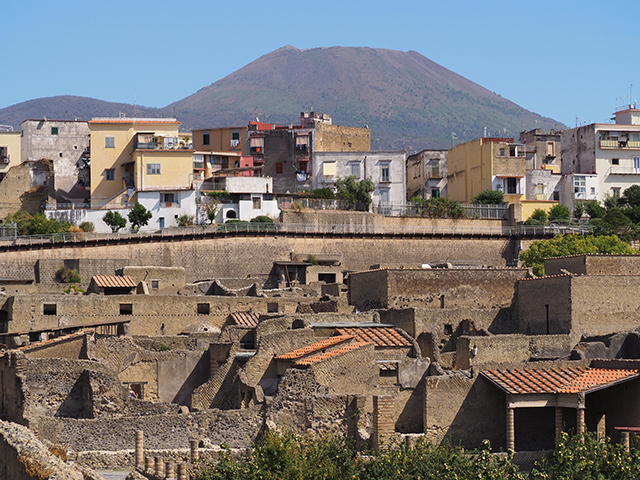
(51, 341)
(556, 380)
(248, 319)
(381, 337)
(314, 347)
(332, 353)
(114, 281)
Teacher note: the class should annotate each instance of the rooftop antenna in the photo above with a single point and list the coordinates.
(134, 106)
(485, 132)
(454, 137)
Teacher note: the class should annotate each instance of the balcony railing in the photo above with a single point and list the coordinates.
(617, 170)
(629, 144)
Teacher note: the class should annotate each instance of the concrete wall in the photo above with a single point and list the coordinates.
(594, 265)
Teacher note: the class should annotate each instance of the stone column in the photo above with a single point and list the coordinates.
(149, 464)
(159, 467)
(580, 422)
(383, 419)
(171, 470)
(139, 448)
(558, 422)
(182, 471)
(511, 430)
(195, 454)
(625, 439)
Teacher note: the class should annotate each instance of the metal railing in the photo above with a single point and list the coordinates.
(617, 170)
(469, 211)
(296, 229)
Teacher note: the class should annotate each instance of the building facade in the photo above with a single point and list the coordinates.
(610, 152)
(427, 174)
(10, 154)
(487, 164)
(66, 144)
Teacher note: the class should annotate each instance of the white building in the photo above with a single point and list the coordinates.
(249, 197)
(610, 152)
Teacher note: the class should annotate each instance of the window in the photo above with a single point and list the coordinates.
(512, 186)
(279, 168)
(155, 284)
(235, 139)
(161, 222)
(168, 197)
(272, 308)
(302, 141)
(503, 152)
(203, 309)
(153, 169)
(206, 139)
(109, 142)
(355, 170)
(384, 173)
(126, 309)
(615, 161)
(435, 193)
(551, 149)
(329, 169)
(579, 186)
(257, 203)
(384, 196)
(110, 174)
(54, 130)
(615, 192)
(539, 189)
(49, 309)
(257, 144)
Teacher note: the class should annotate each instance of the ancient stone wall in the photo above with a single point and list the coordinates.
(239, 256)
(545, 305)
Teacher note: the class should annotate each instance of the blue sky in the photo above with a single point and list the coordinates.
(561, 59)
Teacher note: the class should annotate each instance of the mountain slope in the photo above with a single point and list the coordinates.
(407, 100)
(68, 107)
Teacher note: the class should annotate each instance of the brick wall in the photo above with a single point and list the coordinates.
(383, 420)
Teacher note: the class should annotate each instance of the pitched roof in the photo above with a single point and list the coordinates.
(247, 319)
(557, 380)
(114, 281)
(314, 347)
(381, 337)
(332, 353)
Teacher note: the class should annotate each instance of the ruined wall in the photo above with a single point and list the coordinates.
(545, 305)
(72, 347)
(26, 187)
(594, 265)
(168, 279)
(235, 428)
(20, 446)
(435, 288)
(239, 256)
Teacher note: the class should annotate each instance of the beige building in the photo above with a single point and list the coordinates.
(9, 151)
(142, 160)
(487, 164)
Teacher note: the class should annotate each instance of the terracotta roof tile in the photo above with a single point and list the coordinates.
(51, 341)
(114, 281)
(556, 380)
(248, 319)
(332, 353)
(380, 336)
(314, 347)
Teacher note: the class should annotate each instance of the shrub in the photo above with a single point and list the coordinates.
(185, 220)
(68, 275)
(41, 225)
(559, 212)
(312, 259)
(87, 226)
(325, 193)
(21, 219)
(437, 207)
(262, 219)
(489, 197)
(538, 217)
(357, 194)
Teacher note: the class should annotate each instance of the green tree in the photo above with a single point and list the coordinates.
(594, 209)
(587, 458)
(21, 219)
(114, 220)
(489, 197)
(631, 196)
(562, 245)
(356, 193)
(139, 216)
(185, 220)
(87, 226)
(559, 212)
(579, 209)
(437, 207)
(41, 225)
(538, 217)
(325, 193)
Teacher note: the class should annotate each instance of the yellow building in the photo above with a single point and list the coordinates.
(9, 151)
(487, 164)
(133, 156)
(227, 139)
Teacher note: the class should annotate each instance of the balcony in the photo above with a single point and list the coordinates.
(617, 144)
(198, 165)
(617, 170)
(257, 151)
